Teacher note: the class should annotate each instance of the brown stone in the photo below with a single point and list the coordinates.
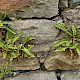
(21, 64)
(12, 5)
(61, 61)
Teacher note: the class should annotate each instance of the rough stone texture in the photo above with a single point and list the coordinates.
(35, 75)
(22, 64)
(42, 47)
(72, 16)
(12, 5)
(61, 61)
(74, 2)
(43, 30)
(41, 51)
(70, 75)
(41, 9)
(30, 8)
(25, 64)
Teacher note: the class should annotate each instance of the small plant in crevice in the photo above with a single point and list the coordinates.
(10, 45)
(4, 70)
(70, 42)
(12, 48)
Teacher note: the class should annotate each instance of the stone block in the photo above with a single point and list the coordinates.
(35, 75)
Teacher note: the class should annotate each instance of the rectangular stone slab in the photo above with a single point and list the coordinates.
(35, 75)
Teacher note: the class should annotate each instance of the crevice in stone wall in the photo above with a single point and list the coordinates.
(58, 74)
(59, 9)
(51, 18)
(37, 18)
(7, 19)
(42, 67)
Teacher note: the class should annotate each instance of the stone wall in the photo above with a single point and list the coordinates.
(39, 16)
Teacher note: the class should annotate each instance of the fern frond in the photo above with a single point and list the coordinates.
(60, 49)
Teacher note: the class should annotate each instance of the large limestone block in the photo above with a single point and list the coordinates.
(61, 61)
(41, 9)
(35, 75)
(30, 8)
(43, 30)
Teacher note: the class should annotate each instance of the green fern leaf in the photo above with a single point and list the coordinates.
(8, 28)
(59, 42)
(78, 50)
(26, 39)
(27, 51)
(4, 55)
(16, 37)
(73, 46)
(30, 46)
(63, 27)
(60, 49)
(74, 30)
(2, 43)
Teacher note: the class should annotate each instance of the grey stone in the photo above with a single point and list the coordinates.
(42, 8)
(42, 47)
(61, 61)
(72, 16)
(41, 51)
(70, 75)
(43, 30)
(35, 75)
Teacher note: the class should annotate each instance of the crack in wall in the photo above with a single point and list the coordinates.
(58, 74)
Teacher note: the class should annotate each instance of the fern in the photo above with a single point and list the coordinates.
(71, 40)
(63, 27)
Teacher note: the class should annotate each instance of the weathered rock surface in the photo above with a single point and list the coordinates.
(12, 5)
(61, 61)
(43, 30)
(72, 16)
(30, 8)
(42, 47)
(22, 64)
(25, 64)
(35, 75)
(70, 75)
(42, 8)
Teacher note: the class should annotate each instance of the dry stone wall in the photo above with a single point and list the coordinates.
(38, 18)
